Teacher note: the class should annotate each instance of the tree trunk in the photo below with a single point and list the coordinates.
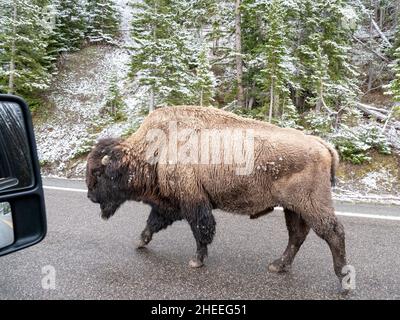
(271, 102)
(320, 99)
(370, 77)
(239, 62)
(151, 100)
(12, 60)
(388, 117)
(201, 97)
(283, 106)
(251, 102)
(250, 97)
(370, 64)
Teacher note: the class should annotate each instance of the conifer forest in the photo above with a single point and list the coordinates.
(95, 68)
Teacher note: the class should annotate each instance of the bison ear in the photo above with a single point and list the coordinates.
(105, 160)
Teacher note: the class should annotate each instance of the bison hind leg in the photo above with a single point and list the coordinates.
(325, 224)
(298, 231)
(330, 229)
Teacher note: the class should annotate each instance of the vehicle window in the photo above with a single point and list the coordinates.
(14, 174)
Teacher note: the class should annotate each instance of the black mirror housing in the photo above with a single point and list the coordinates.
(27, 203)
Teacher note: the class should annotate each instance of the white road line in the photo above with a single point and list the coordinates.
(339, 213)
(361, 215)
(367, 215)
(64, 189)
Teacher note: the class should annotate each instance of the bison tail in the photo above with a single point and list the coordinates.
(335, 159)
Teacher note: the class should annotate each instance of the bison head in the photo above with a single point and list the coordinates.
(106, 176)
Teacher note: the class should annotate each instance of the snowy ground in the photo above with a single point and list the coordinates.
(379, 183)
(77, 95)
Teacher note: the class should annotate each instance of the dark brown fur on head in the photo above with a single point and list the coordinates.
(107, 177)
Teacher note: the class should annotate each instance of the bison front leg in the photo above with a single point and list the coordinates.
(298, 231)
(202, 223)
(156, 221)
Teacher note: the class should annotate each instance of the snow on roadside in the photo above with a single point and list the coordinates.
(373, 187)
(356, 197)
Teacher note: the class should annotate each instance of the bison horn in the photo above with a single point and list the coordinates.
(106, 160)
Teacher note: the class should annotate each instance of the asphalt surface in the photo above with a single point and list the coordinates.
(96, 259)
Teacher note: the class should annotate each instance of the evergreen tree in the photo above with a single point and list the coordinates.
(103, 20)
(115, 102)
(326, 76)
(260, 30)
(317, 61)
(393, 88)
(24, 60)
(70, 26)
(205, 82)
(276, 73)
(162, 58)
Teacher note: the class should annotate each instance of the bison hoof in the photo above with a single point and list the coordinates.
(141, 245)
(277, 267)
(145, 238)
(195, 263)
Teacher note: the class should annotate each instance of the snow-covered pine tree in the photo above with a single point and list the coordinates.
(276, 74)
(205, 82)
(115, 102)
(103, 20)
(256, 40)
(70, 26)
(326, 76)
(24, 60)
(319, 80)
(393, 88)
(162, 52)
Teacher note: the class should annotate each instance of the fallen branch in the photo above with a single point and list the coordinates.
(389, 116)
(381, 110)
(370, 49)
(376, 113)
(369, 111)
(374, 24)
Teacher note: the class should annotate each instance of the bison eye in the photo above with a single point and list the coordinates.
(97, 173)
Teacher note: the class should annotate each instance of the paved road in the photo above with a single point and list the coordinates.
(94, 259)
(6, 229)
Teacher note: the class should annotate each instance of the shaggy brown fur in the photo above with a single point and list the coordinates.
(291, 169)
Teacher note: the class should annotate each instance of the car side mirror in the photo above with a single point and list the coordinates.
(22, 208)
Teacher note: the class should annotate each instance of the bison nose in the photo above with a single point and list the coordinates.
(92, 197)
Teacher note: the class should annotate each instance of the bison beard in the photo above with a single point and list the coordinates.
(297, 171)
(108, 209)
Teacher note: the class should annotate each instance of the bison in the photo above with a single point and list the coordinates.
(286, 168)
